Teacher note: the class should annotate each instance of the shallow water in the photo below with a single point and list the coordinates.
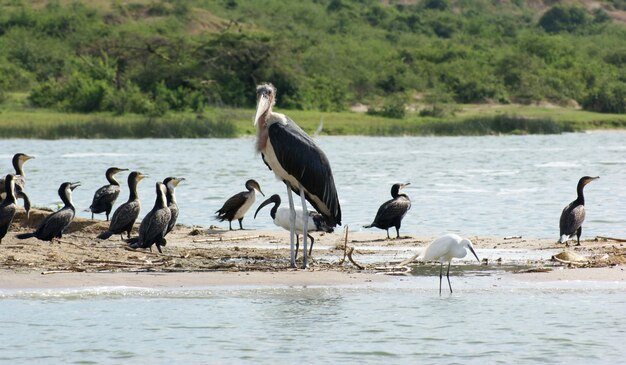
(495, 186)
(484, 321)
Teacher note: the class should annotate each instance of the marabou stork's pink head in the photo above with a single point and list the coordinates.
(266, 97)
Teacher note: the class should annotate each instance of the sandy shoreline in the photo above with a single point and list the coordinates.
(196, 256)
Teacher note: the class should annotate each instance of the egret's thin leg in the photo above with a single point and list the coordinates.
(292, 226)
(440, 276)
(305, 227)
(297, 244)
(448, 275)
(311, 247)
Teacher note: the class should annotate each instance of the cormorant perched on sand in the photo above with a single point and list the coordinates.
(573, 214)
(7, 207)
(237, 205)
(55, 224)
(171, 183)
(155, 223)
(126, 214)
(390, 214)
(281, 216)
(105, 197)
(20, 180)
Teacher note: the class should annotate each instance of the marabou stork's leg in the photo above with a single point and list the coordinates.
(305, 228)
(292, 226)
(311, 247)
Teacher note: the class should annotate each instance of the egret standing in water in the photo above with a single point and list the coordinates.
(105, 196)
(237, 205)
(573, 214)
(55, 224)
(281, 218)
(296, 160)
(391, 212)
(443, 249)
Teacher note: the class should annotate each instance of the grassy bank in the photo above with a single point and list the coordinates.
(226, 123)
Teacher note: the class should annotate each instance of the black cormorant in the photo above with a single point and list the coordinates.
(7, 207)
(171, 183)
(280, 216)
(20, 180)
(105, 197)
(154, 224)
(390, 214)
(296, 160)
(237, 205)
(55, 224)
(126, 214)
(573, 214)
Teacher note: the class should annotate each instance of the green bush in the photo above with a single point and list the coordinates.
(609, 97)
(564, 19)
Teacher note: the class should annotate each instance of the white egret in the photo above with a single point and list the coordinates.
(445, 248)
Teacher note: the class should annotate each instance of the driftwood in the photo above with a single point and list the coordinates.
(221, 238)
(345, 245)
(512, 237)
(352, 260)
(611, 238)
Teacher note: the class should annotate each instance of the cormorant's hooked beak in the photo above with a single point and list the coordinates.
(141, 177)
(27, 157)
(178, 180)
(263, 104)
(404, 185)
(270, 200)
(74, 185)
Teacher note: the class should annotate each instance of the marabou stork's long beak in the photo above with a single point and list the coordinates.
(262, 105)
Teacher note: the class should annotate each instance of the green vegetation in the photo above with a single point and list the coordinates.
(165, 68)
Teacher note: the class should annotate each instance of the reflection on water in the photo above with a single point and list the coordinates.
(402, 325)
(508, 185)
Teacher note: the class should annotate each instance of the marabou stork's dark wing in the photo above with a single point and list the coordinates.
(391, 210)
(572, 218)
(228, 210)
(301, 158)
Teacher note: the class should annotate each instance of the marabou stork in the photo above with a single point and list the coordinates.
(296, 160)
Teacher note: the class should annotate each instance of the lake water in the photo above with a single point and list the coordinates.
(485, 321)
(494, 185)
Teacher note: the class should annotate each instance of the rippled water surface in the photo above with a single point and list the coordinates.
(508, 185)
(519, 325)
